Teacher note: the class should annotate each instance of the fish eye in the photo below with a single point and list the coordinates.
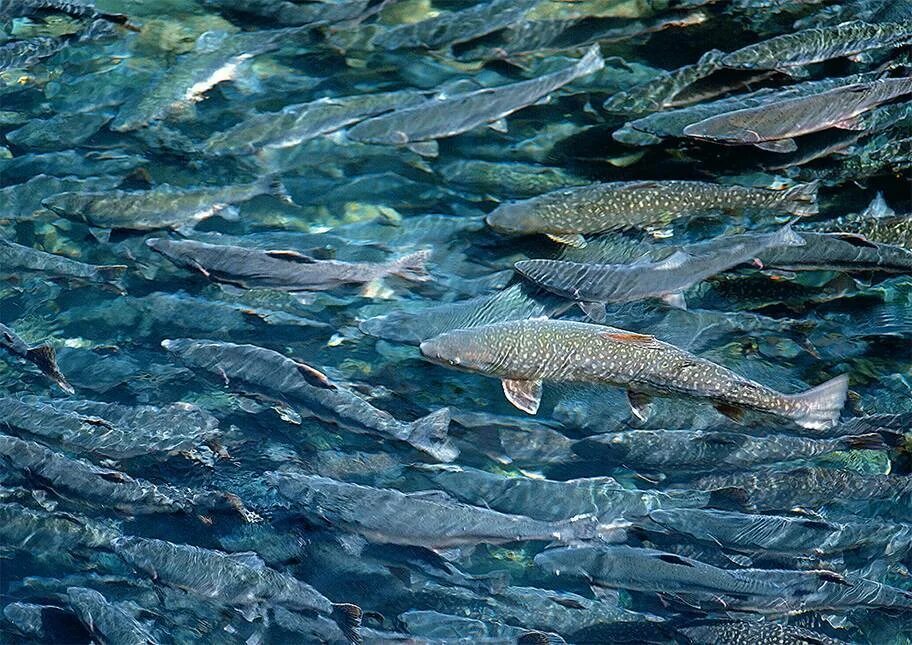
(455, 360)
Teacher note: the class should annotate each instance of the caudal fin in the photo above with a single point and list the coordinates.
(348, 617)
(412, 266)
(870, 441)
(819, 407)
(45, 359)
(801, 200)
(429, 434)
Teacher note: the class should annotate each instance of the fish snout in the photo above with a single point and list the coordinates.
(435, 351)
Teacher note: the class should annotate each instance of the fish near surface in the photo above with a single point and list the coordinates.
(753, 633)
(452, 114)
(161, 207)
(106, 621)
(525, 353)
(839, 252)
(283, 270)
(568, 215)
(592, 285)
(772, 127)
(41, 356)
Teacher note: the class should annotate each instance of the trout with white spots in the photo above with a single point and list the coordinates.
(525, 353)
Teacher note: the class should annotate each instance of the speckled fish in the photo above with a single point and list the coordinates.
(431, 519)
(282, 269)
(839, 252)
(22, 54)
(819, 44)
(525, 353)
(783, 534)
(239, 580)
(311, 391)
(450, 115)
(688, 451)
(878, 223)
(16, 257)
(107, 622)
(566, 216)
(302, 122)
(161, 207)
(41, 356)
(216, 59)
(25, 8)
(772, 127)
(753, 633)
(592, 285)
(507, 180)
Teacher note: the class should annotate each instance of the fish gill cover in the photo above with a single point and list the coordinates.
(448, 321)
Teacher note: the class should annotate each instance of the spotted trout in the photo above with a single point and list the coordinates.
(525, 353)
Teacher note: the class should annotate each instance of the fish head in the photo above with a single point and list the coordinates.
(570, 561)
(515, 217)
(64, 203)
(464, 349)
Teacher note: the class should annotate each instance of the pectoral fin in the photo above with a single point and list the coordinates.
(782, 146)
(733, 412)
(424, 148)
(675, 300)
(570, 239)
(525, 395)
(500, 125)
(853, 123)
(293, 256)
(595, 310)
(639, 404)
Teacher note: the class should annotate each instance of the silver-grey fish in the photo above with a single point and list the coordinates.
(839, 252)
(525, 353)
(106, 621)
(16, 257)
(160, 207)
(568, 215)
(41, 356)
(431, 519)
(819, 44)
(282, 269)
(772, 127)
(592, 285)
(450, 115)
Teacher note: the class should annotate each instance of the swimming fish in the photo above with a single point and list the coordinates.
(525, 353)
(42, 356)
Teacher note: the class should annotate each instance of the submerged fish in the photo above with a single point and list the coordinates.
(525, 353)
(430, 519)
(567, 215)
(283, 270)
(772, 127)
(23, 258)
(753, 633)
(41, 356)
(452, 114)
(106, 621)
(877, 223)
(818, 44)
(160, 207)
(592, 285)
(839, 252)
(304, 386)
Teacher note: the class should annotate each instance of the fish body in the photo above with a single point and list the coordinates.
(23, 258)
(22, 54)
(281, 269)
(305, 387)
(431, 519)
(773, 126)
(161, 207)
(452, 114)
(818, 44)
(41, 356)
(106, 621)
(568, 215)
(511, 180)
(525, 353)
(31, 530)
(839, 252)
(753, 633)
(668, 279)
(878, 223)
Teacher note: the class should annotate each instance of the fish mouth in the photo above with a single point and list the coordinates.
(431, 352)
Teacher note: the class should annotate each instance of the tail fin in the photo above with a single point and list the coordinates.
(592, 61)
(273, 185)
(45, 358)
(429, 434)
(412, 266)
(348, 617)
(801, 200)
(871, 441)
(819, 407)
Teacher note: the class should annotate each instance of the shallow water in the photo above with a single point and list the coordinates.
(162, 440)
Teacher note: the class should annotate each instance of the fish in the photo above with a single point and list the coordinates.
(525, 353)
(839, 252)
(430, 519)
(743, 632)
(240, 580)
(818, 44)
(568, 215)
(56, 534)
(22, 54)
(106, 621)
(592, 285)
(80, 9)
(689, 451)
(783, 534)
(16, 257)
(512, 180)
(41, 356)
(432, 623)
(59, 132)
(285, 270)
(445, 116)
(773, 127)
(310, 390)
(878, 223)
(162, 207)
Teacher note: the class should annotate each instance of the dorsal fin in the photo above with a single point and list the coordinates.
(628, 337)
(292, 256)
